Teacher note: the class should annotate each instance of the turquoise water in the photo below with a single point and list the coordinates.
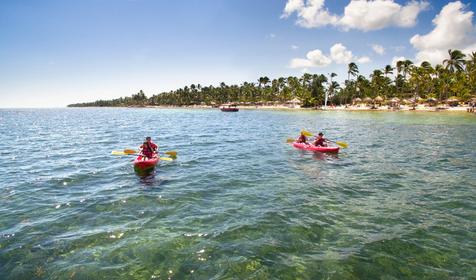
(239, 203)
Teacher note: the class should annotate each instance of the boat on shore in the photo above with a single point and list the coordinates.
(229, 108)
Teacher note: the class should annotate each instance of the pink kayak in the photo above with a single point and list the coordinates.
(310, 147)
(144, 165)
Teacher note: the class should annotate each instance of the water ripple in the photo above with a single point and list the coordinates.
(239, 202)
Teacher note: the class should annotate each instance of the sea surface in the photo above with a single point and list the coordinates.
(238, 203)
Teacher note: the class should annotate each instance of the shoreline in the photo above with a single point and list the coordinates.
(341, 108)
(420, 108)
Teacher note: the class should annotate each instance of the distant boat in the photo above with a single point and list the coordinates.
(229, 108)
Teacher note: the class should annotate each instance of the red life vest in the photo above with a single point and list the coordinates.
(320, 142)
(148, 150)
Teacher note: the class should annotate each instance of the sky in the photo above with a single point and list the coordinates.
(55, 52)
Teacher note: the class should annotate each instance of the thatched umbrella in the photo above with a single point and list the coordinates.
(452, 101)
(378, 99)
(395, 100)
(368, 100)
(406, 101)
(294, 102)
(357, 100)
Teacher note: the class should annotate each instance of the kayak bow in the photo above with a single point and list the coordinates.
(142, 165)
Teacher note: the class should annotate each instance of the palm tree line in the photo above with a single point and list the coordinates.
(455, 78)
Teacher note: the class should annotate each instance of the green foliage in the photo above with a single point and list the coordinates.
(456, 77)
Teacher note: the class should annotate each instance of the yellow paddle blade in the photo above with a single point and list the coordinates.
(342, 144)
(129, 151)
(289, 140)
(307, 133)
(171, 153)
(118, 153)
(166, 158)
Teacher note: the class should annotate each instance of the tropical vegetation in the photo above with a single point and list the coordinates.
(454, 79)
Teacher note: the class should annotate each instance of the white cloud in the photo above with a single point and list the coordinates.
(291, 7)
(272, 35)
(358, 14)
(379, 49)
(313, 58)
(294, 47)
(373, 15)
(364, 60)
(398, 48)
(311, 14)
(453, 30)
(340, 54)
(316, 58)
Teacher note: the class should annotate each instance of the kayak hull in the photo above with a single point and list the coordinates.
(141, 165)
(310, 147)
(229, 109)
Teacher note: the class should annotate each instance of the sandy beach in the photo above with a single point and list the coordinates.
(402, 108)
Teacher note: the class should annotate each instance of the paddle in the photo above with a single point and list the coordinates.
(339, 143)
(128, 152)
(306, 133)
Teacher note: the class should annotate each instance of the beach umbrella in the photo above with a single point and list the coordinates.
(378, 99)
(295, 100)
(357, 100)
(406, 101)
(394, 100)
(367, 100)
(453, 100)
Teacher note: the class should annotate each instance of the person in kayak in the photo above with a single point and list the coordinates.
(148, 148)
(320, 140)
(302, 138)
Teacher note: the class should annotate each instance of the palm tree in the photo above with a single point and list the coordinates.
(471, 71)
(266, 80)
(398, 78)
(352, 70)
(377, 81)
(456, 61)
(407, 64)
(387, 70)
(331, 89)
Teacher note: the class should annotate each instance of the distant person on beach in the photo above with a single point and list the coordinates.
(302, 138)
(320, 140)
(148, 148)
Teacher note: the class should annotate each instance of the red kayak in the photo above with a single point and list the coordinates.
(141, 164)
(310, 147)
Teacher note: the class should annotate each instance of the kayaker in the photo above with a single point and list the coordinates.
(148, 148)
(320, 140)
(302, 138)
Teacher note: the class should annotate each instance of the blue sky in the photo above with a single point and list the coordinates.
(53, 53)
